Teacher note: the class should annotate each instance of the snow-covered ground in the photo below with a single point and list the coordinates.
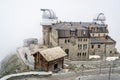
(94, 56)
(111, 58)
(108, 58)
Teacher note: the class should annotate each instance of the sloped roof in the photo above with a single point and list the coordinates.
(52, 53)
(65, 28)
(102, 40)
(76, 25)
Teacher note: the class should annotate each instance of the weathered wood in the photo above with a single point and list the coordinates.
(42, 64)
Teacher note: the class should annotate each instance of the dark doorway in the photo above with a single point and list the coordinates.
(55, 66)
(67, 51)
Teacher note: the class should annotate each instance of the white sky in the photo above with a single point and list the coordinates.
(20, 19)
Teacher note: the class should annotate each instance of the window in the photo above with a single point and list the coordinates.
(84, 40)
(79, 46)
(72, 33)
(84, 46)
(98, 46)
(68, 41)
(67, 51)
(92, 46)
(65, 41)
(78, 54)
(79, 39)
(55, 66)
(83, 54)
(110, 51)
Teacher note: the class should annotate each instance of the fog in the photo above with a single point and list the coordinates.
(20, 19)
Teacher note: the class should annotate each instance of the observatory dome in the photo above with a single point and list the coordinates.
(45, 15)
(48, 14)
(48, 17)
(100, 17)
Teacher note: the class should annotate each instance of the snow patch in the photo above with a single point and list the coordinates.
(94, 56)
(111, 58)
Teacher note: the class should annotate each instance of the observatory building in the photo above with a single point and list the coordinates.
(78, 39)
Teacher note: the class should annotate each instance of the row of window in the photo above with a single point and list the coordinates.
(67, 40)
(81, 54)
(82, 39)
(93, 46)
(93, 35)
(82, 46)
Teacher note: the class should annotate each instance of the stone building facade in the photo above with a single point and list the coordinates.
(80, 39)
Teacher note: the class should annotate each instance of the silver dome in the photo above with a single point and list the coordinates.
(100, 17)
(48, 14)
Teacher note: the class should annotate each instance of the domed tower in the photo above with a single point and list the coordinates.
(48, 18)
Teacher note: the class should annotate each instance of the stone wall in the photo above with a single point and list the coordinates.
(75, 48)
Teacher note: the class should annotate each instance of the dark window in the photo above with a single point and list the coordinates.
(84, 39)
(65, 41)
(98, 46)
(77, 54)
(79, 46)
(67, 51)
(68, 41)
(72, 33)
(92, 46)
(110, 51)
(55, 66)
(84, 46)
(83, 54)
(80, 54)
(79, 39)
